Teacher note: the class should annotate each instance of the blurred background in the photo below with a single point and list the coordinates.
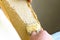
(48, 12)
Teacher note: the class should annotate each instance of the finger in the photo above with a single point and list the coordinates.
(43, 33)
(33, 33)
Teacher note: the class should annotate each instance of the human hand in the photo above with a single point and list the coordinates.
(42, 35)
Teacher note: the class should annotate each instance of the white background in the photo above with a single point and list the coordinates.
(7, 31)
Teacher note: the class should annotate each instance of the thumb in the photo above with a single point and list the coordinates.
(33, 33)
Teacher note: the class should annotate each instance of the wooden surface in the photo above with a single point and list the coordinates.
(16, 20)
